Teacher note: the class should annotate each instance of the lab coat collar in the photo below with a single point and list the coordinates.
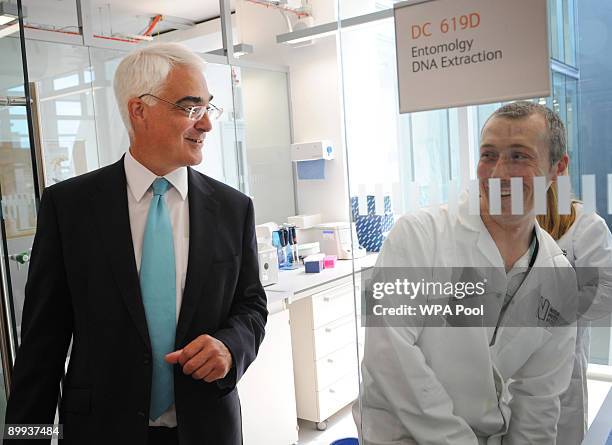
(547, 248)
(487, 246)
(474, 223)
(139, 178)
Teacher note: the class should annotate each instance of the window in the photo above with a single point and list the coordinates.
(66, 82)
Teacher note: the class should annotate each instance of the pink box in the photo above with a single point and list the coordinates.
(330, 261)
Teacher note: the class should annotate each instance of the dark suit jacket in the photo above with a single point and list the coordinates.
(83, 284)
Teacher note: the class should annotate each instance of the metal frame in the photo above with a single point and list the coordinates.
(568, 70)
(226, 29)
(8, 334)
(37, 137)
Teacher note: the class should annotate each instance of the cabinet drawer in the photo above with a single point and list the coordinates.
(333, 336)
(332, 304)
(336, 365)
(338, 395)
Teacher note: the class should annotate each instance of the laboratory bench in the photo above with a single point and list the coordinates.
(296, 284)
(307, 364)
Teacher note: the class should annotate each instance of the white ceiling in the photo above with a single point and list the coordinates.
(120, 16)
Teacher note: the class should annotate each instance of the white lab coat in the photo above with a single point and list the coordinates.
(588, 243)
(445, 385)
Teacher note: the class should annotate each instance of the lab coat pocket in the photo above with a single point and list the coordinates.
(515, 345)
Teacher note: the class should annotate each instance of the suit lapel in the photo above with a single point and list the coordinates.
(113, 219)
(202, 232)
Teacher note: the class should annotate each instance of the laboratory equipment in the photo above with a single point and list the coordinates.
(267, 253)
(335, 238)
(308, 151)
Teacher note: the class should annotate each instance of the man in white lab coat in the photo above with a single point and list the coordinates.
(487, 383)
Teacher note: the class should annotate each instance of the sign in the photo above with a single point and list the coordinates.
(453, 53)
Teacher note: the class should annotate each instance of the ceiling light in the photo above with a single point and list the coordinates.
(10, 29)
(178, 22)
(242, 49)
(306, 34)
(8, 13)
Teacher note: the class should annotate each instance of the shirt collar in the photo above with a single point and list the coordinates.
(139, 178)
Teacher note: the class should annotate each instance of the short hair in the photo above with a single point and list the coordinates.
(556, 130)
(145, 71)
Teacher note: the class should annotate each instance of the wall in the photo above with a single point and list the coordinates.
(315, 97)
(317, 114)
(268, 138)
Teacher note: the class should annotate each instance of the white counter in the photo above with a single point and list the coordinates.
(292, 283)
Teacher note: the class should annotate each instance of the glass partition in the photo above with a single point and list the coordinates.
(66, 104)
(81, 130)
(59, 18)
(17, 190)
(359, 8)
(264, 97)
(224, 144)
(111, 135)
(403, 163)
(16, 173)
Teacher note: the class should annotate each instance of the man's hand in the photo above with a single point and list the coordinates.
(205, 358)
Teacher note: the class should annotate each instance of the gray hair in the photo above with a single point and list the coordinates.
(145, 71)
(556, 130)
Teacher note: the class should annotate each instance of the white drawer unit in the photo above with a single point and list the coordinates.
(338, 394)
(333, 336)
(336, 365)
(324, 345)
(331, 304)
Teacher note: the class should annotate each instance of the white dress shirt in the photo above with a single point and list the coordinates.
(139, 194)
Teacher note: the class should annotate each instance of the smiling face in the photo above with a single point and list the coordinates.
(514, 148)
(164, 136)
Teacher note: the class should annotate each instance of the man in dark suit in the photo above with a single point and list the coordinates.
(151, 269)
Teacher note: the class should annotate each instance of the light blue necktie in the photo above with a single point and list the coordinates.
(158, 287)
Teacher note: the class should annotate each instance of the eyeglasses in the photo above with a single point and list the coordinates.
(196, 112)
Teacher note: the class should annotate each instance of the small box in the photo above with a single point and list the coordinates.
(313, 266)
(314, 263)
(330, 261)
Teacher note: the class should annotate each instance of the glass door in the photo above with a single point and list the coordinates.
(19, 187)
